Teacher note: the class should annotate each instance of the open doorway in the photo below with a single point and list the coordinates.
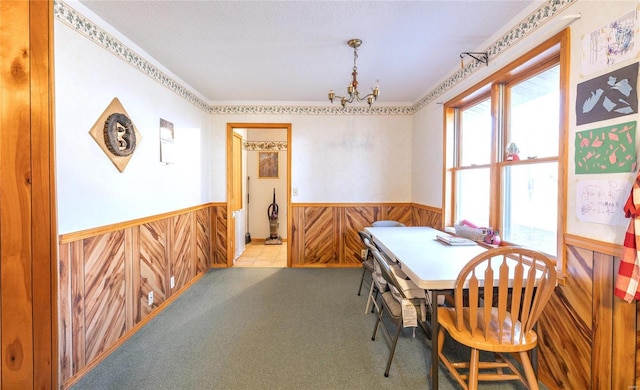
(258, 170)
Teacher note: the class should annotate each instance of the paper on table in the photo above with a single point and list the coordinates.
(450, 240)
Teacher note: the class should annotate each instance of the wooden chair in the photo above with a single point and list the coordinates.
(391, 304)
(498, 315)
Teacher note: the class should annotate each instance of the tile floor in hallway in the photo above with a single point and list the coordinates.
(257, 254)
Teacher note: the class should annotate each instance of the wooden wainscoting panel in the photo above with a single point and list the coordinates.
(319, 236)
(131, 268)
(356, 219)
(181, 267)
(426, 216)
(637, 344)
(295, 239)
(105, 279)
(65, 310)
(153, 266)
(579, 286)
(203, 242)
(78, 327)
(623, 366)
(565, 327)
(399, 213)
(327, 234)
(220, 258)
(602, 348)
(104, 286)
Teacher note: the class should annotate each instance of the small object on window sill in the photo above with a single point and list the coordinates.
(492, 238)
(512, 152)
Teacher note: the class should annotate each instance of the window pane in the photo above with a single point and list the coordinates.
(472, 196)
(475, 134)
(535, 113)
(530, 207)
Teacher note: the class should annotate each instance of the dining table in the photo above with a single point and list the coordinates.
(430, 263)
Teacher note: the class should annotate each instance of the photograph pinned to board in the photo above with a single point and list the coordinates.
(609, 149)
(268, 165)
(609, 96)
(611, 44)
(602, 201)
(167, 142)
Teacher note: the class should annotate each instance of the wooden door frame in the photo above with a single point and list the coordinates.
(28, 266)
(230, 228)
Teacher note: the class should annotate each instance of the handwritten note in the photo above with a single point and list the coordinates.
(601, 201)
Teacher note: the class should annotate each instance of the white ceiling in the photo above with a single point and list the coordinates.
(290, 51)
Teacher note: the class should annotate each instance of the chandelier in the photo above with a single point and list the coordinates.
(352, 88)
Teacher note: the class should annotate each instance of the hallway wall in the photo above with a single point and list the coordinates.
(261, 189)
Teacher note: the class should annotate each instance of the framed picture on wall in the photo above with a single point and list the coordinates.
(167, 138)
(268, 165)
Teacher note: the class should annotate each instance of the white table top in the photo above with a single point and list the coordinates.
(430, 263)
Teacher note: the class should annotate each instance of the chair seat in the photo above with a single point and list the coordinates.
(494, 341)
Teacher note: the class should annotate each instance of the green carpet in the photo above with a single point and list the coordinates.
(268, 328)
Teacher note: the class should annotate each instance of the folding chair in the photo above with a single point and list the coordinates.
(367, 263)
(401, 293)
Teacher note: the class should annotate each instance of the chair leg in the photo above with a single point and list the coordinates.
(377, 325)
(529, 372)
(393, 347)
(364, 271)
(375, 299)
(366, 309)
(473, 369)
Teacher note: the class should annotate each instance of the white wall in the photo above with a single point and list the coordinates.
(336, 159)
(428, 122)
(427, 152)
(91, 192)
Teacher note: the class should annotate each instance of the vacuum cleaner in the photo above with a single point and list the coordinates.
(272, 214)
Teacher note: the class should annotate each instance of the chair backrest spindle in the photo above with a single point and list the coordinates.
(516, 284)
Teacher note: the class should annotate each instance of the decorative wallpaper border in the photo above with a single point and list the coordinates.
(312, 110)
(264, 145)
(84, 26)
(526, 26)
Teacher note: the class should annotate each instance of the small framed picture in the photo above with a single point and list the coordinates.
(167, 138)
(268, 165)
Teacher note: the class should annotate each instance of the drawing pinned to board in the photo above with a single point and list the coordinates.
(611, 44)
(602, 201)
(608, 149)
(608, 96)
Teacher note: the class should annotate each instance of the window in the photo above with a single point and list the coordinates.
(504, 151)
(474, 156)
(530, 182)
